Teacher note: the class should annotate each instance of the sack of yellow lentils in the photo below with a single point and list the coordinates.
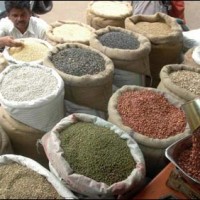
(181, 81)
(64, 31)
(87, 74)
(152, 117)
(108, 13)
(24, 178)
(94, 157)
(165, 36)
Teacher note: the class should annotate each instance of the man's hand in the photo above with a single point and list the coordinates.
(10, 42)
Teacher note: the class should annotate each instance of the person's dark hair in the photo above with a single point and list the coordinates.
(17, 4)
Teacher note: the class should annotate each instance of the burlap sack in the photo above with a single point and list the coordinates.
(153, 149)
(23, 138)
(80, 183)
(133, 60)
(167, 85)
(164, 49)
(3, 62)
(93, 91)
(100, 14)
(70, 31)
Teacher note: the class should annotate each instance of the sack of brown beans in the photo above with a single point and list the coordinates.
(60, 32)
(129, 51)
(152, 117)
(23, 138)
(94, 157)
(34, 50)
(3, 62)
(192, 57)
(24, 178)
(32, 94)
(181, 81)
(165, 36)
(108, 13)
(5, 144)
(87, 74)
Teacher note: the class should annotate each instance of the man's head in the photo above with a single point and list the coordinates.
(19, 13)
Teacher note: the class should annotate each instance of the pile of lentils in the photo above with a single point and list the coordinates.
(119, 40)
(189, 159)
(97, 152)
(27, 83)
(154, 28)
(187, 80)
(150, 113)
(20, 182)
(78, 61)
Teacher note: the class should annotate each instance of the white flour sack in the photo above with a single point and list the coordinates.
(32, 94)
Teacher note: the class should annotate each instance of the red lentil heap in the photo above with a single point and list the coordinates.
(151, 114)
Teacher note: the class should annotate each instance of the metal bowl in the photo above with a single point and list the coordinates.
(173, 152)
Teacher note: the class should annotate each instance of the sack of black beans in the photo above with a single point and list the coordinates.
(129, 51)
(3, 62)
(23, 138)
(166, 39)
(152, 117)
(181, 81)
(24, 178)
(60, 32)
(108, 13)
(32, 94)
(5, 144)
(94, 157)
(87, 74)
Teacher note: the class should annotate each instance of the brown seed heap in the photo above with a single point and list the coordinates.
(150, 114)
(154, 28)
(192, 165)
(20, 182)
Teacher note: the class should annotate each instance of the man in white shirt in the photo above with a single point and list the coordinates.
(20, 23)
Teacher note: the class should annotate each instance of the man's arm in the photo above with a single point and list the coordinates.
(9, 41)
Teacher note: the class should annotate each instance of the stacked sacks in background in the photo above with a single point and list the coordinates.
(181, 81)
(65, 31)
(152, 117)
(108, 13)
(166, 40)
(32, 102)
(129, 52)
(94, 158)
(87, 74)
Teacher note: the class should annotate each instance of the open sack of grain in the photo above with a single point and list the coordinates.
(181, 81)
(165, 36)
(64, 31)
(24, 178)
(94, 157)
(32, 94)
(34, 50)
(108, 13)
(152, 117)
(87, 74)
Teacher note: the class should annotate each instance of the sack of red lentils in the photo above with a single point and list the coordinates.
(23, 138)
(108, 13)
(129, 51)
(63, 31)
(152, 117)
(3, 62)
(181, 81)
(87, 74)
(93, 157)
(24, 178)
(165, 36)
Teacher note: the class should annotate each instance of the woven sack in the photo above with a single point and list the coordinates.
(64, 31)
(92, 91)
(165, 49)
(80, 183)
(100, 14)
(167, 85)
(133, 60)
(3, 62)
(153, 149)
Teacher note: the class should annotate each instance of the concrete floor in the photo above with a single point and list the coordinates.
(76, 11)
